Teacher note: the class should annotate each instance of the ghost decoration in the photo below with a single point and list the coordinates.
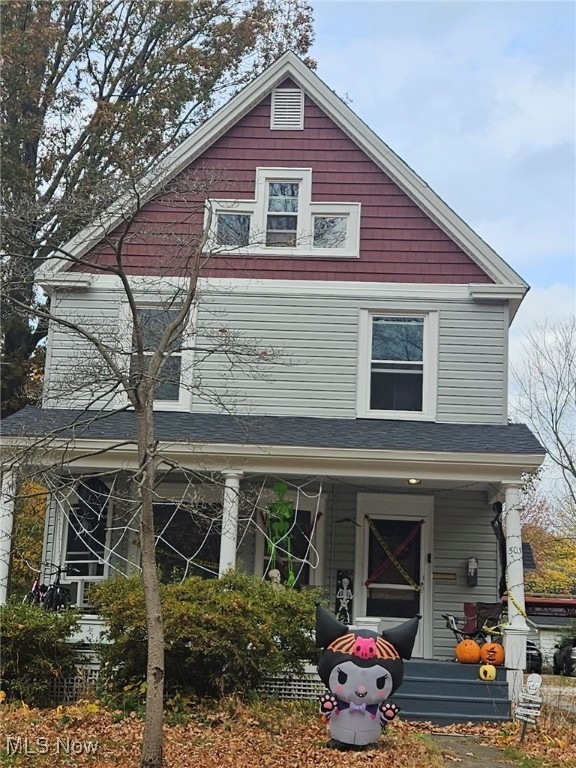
(361, 670)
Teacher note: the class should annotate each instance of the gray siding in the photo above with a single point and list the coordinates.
(461, 530)
(313, 370)
(316, 366)
(76, 374)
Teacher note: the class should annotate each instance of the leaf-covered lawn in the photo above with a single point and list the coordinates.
(283, 735)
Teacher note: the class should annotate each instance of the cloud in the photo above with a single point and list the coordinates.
(552, 303)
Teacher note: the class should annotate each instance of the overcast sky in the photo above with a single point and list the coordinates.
(479, 99)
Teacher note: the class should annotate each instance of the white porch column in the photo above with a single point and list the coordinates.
(516, 631)
(7, 494)
(230, 504)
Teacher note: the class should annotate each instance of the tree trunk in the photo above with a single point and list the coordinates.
(152, 746)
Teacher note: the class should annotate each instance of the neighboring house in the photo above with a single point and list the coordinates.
(386, 417)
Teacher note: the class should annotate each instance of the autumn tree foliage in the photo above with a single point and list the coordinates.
(553, 548)
(94, 89)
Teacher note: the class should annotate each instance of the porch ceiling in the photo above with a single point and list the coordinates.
(356, 448)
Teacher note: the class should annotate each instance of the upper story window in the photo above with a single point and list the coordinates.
(282, 218)
(397, 369)
(397, 364)
(153, 322)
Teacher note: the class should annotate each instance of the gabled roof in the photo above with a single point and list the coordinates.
(289, 66)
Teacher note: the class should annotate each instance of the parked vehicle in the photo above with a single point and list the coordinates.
(564, 660)
(533, 658)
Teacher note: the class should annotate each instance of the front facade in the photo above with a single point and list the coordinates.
(337, 412)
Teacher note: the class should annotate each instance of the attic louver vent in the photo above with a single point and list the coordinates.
(287, 110)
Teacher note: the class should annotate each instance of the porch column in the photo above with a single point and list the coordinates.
(230, 504)
(7, 494)
(516, 631)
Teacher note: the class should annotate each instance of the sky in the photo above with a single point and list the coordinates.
(479, 99)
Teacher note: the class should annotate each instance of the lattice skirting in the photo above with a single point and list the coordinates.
(71, 689)
(306, 686)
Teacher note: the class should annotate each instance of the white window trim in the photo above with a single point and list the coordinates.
(184, 402)
(307, 504)
(257, 209)
(430, 365)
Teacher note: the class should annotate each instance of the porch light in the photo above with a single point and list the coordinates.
(414, 481)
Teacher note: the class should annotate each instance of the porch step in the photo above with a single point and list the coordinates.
(448, 692)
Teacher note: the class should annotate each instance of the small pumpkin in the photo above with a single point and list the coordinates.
(468, 652)
(492, 653)
(487, 672)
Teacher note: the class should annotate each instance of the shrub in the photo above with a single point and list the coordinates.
(36, 651)
(222, 635)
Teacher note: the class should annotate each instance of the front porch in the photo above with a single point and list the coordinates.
(357, 501)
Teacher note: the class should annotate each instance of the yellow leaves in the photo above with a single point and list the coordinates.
(2, 697)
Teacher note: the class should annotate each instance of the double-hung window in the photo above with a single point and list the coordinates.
(153, 322)
(397, 377)
(282, 214)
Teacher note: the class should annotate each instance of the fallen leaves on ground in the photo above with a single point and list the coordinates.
(261, 735)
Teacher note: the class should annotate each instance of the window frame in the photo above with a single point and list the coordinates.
(257, 209)
(305, 504)
(184, 401)
(429, 364)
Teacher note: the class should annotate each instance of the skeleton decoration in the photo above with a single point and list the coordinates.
(361, 669)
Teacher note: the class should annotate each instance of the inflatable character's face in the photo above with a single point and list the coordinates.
(360, 685)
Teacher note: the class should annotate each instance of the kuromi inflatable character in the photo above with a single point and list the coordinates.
(361, 669)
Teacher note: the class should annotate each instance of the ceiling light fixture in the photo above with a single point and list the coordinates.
(414, 481)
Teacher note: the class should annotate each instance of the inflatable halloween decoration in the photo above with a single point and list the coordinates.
(487, 672)
(361, 669)
(492, 653)
(468, 652)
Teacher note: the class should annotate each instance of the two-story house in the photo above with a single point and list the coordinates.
(381, 416)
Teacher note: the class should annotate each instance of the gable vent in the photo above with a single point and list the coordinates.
(287, 110)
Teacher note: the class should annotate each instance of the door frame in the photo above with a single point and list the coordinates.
(397, 506)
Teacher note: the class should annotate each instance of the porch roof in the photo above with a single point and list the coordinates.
(293, 431)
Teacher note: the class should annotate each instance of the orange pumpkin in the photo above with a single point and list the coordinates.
(492, 653)
(468, 652)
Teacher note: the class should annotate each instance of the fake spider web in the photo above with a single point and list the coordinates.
(188, 528)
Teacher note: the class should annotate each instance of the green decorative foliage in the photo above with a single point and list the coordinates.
(36, 651)
(222, 635)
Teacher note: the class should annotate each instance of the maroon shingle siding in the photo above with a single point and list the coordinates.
(398, 242)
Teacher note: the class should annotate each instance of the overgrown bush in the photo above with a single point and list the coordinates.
(222, 635)
(36, 651)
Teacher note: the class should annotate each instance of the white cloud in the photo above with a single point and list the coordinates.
(551, 303)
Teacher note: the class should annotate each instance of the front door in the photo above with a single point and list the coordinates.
(393, 554)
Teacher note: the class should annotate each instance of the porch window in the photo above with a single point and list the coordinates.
(153, 321)
(292, 539)
(86, 529)
(187, 540)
